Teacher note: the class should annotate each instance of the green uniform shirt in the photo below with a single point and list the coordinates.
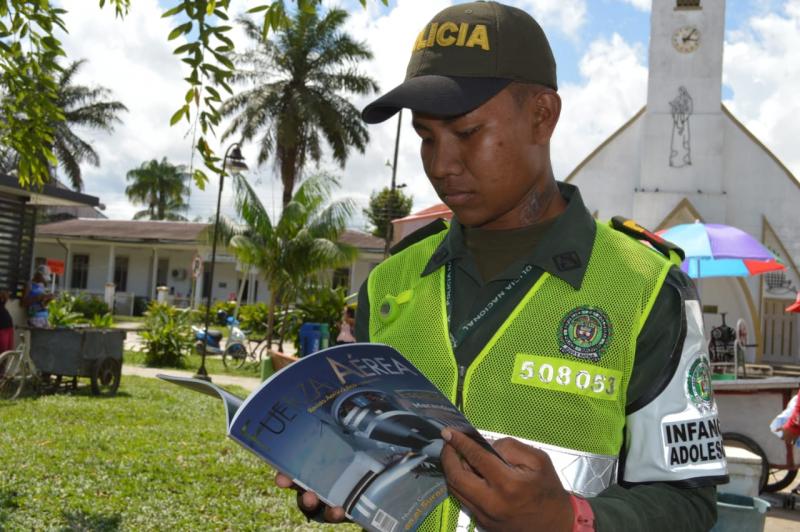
(562, 248)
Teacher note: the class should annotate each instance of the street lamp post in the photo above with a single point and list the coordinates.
(390, 227)
(234, 161)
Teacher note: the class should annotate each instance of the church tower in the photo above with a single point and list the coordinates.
(683, 141)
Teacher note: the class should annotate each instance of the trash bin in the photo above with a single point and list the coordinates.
(310, 338)
(739, 513)
(324, 336)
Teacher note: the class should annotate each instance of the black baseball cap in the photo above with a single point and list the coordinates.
(465, 55)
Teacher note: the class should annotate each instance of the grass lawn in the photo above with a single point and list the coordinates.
(214, 364)
(154, 457)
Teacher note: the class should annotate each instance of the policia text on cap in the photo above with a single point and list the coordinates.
(567, 342)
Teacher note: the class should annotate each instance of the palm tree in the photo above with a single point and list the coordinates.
(295, 98)
(83, 107)
(303, 242)
(161, 186)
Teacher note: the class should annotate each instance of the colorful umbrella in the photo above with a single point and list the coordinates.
(715, 250)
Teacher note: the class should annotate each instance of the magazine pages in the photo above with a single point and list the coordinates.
(357, 424)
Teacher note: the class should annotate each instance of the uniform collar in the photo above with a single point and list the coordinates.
(563, 252)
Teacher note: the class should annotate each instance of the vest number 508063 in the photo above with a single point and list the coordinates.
(562, 375)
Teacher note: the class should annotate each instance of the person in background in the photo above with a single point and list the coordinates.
(6, 325)
(36, 299)
(791, 429)
(347, 326)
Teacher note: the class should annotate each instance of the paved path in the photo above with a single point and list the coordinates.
(248, 383)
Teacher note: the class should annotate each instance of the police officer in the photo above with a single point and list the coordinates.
(574, 347)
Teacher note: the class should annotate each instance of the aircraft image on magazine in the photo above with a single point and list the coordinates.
(357, 424)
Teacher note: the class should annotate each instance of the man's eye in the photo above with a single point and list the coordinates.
(466, 133)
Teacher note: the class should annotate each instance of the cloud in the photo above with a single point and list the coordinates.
(567, 16)
(133, 59)
(641, 5)
(761, 67)
(613, 89)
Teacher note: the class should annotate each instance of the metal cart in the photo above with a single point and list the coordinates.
(79, 352)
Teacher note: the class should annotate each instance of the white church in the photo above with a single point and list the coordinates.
(684, 157)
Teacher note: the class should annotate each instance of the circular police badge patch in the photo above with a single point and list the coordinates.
(585, 333)
(698, 384)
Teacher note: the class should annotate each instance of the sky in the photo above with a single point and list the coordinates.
(600, 48)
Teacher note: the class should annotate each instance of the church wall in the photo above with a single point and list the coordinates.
(608, 178)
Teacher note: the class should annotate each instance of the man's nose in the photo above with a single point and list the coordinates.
(445, 160)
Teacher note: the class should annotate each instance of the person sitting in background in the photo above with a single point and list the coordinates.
(346, 327)
(6, 325)
(36, 299)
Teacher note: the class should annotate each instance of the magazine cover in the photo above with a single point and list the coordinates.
(357, 424)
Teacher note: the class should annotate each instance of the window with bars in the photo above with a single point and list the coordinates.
(17, 222)
(80, 272)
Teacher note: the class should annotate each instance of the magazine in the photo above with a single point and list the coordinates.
(357, 424)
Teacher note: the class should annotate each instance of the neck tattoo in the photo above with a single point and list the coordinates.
(537, 204)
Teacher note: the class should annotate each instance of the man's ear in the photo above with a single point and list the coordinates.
(545, 110)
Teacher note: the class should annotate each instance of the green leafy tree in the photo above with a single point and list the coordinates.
(29, 51)
(385, 206)
(162, 187)
(295, 97)
(83, 107)
(302, 243)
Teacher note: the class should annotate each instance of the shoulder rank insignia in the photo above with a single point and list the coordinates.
(634, 230)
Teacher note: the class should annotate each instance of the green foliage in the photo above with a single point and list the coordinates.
(302, 243)
(152, 458)
(62, 313)
(102, 321)
(161, 186)
(254, 319)
(28, 62)
(88, 305)
(385, 206)
(140, 305)
(299, 102)
(167, 335)
(317, 304)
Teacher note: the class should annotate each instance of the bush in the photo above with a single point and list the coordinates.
(167, 335)
(61, 311)
(140, 305)
(317, 304)
(254, 319)
(89, 306)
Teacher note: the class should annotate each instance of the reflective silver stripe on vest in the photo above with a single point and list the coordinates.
(581, 473)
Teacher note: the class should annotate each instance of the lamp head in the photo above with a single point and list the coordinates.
(235, 161)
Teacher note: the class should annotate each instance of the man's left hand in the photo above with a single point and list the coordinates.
(522, 494)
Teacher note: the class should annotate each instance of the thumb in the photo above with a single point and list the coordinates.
(518, 454)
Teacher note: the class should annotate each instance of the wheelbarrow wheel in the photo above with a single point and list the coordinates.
(734, 439)
(105, 376)
(779, 479)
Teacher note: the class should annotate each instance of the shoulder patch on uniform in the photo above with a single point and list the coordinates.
(435, 227)
(634, 230)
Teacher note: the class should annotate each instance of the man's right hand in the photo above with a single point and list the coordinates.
(309, 503)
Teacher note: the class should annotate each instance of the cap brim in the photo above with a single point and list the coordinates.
(434, 95)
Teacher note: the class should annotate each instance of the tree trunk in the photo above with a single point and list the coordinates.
(288, 173)
(271, 316)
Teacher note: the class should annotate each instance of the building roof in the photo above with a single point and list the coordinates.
(123, 230)
(361, 240)
(47, 195)
(162, 231)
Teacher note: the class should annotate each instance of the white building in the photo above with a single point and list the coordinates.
(138, 256)
(685, 157)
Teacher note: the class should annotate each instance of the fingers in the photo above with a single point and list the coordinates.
(309, 503)
(481, 461)
(518, 454)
